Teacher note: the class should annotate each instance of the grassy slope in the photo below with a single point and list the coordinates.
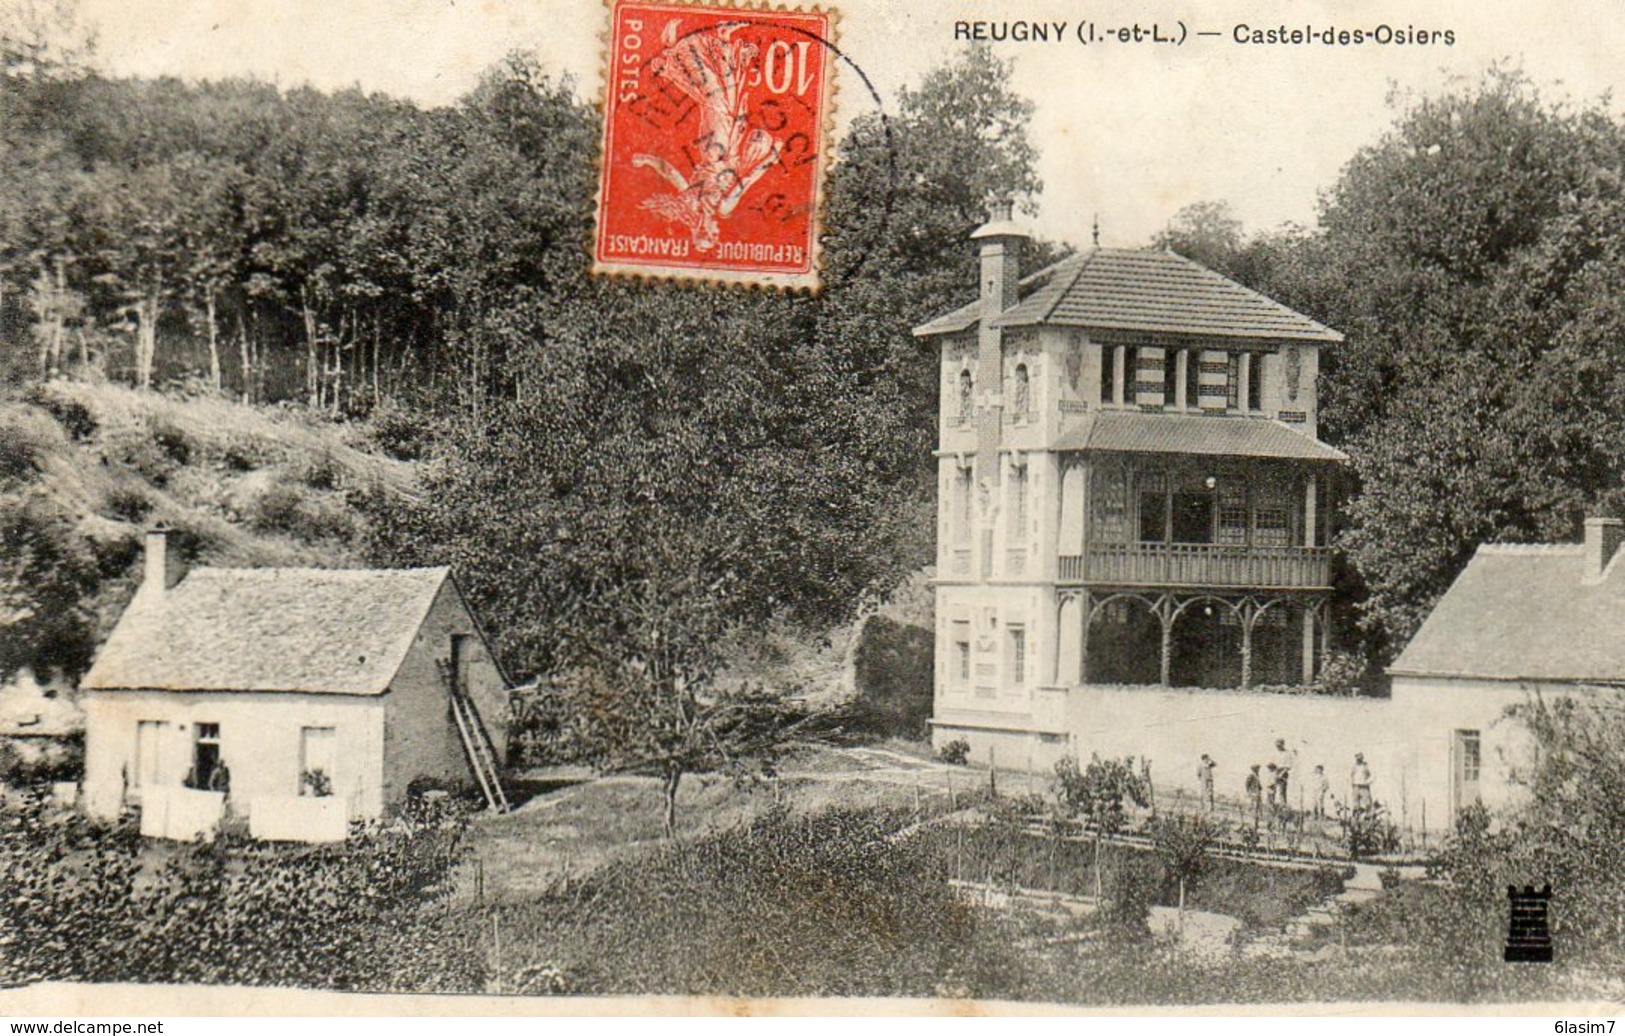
(241, 485)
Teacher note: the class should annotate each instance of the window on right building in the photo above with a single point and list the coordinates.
(1255, 381)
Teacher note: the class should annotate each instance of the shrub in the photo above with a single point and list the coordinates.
(19, 458)
(1368, 832)
(955, 752)
(1129, 886)
(828, 905)
(128, 503)
(279, 509)
(172, 440)
(369, 914)
(322, 472)
(74, 417)
(403, 434)
(243, 454)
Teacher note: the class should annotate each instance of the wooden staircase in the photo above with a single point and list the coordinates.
(480, 751)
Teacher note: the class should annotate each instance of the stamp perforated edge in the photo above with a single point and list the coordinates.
(810, 281)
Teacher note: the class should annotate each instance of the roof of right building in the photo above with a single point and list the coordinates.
(1523, 612)
(1142, 290)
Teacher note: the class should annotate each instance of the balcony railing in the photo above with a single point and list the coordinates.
(1198, 564)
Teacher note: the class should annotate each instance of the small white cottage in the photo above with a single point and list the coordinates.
(278, 684)
(1520, 621)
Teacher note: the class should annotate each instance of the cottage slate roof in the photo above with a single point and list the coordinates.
(1133, 431)
(1142, 290)
(325, 631)
(1521, 612)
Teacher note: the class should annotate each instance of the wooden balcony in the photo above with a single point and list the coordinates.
(1198, 564)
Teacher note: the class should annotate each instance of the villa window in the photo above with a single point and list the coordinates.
(1108, 374)
(1232, 381)
(1272, 527)
(1020, 401)
(1232, 529)
(1018, 504)
(1255, 381)
(1170, 377)
(1111, 505)
(1153, 509)
(967, 385)
(962, 501)
(1017, 638)
(1193, 378)
(959, 674)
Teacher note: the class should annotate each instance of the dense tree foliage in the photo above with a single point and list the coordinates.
(1473, 259)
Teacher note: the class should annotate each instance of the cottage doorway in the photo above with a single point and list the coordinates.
(149, 760)
(205, 753)
(1465, 766)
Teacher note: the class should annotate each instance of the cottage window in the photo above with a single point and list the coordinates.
(1108, 374)
(1471, 757)
(1131, 375)
(205, 754)
(967, 385)
(1232, 381)
(318, 760)
(1170, 377)
(1255, 381)
(1193, 378)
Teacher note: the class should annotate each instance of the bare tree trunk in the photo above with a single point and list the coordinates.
(248, 363)
(377, 336)
(146, 346)
(313, 384)
(59, 305)
(669, 786)
(214, 344)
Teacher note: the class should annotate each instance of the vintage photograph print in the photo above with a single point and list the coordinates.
(714, 142)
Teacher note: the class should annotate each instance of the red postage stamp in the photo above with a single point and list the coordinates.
(715, 130)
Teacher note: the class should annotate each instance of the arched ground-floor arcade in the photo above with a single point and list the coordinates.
(1197, 638)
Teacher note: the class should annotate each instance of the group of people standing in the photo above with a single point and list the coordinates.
(1271, 789)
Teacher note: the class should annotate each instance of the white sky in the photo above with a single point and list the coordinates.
(1132, 133)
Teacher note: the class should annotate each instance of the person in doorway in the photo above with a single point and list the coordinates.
(220, 779)
(1360, 783)
(1255, 793)
(1322, 788)
(1204, 780)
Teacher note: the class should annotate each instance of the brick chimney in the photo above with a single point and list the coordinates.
(163, 568)
(1001, 242)
(1602, 540)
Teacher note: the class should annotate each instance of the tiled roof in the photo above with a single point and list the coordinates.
(1143, 290)
(269, 629)
(1520, 613)
(1131, 431)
